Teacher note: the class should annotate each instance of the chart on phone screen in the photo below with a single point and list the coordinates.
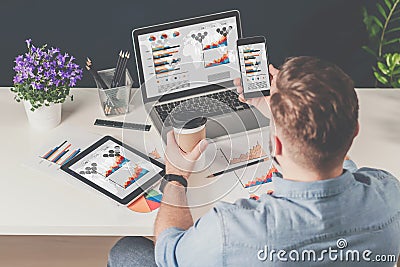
(253, 63)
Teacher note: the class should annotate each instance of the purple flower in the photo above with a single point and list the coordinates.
(28, 42)
(45, 69)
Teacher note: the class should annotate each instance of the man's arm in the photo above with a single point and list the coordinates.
(174, 229)
(173, 211)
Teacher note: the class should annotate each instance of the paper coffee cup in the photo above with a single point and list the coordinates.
(189, 129)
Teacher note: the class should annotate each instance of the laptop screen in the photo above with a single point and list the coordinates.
(188, 57)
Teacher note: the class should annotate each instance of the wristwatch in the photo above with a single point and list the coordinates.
(172, 177)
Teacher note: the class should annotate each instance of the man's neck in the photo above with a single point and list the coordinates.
(291, 171)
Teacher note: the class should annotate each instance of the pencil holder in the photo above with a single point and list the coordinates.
(114, 101)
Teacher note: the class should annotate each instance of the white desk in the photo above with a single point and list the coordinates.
(32, 203)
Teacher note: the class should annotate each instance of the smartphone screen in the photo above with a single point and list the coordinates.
(254, 66)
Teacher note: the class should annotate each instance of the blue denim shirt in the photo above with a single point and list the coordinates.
(322, 223)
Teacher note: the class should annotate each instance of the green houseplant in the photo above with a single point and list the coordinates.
(43, 78)
(384, 35)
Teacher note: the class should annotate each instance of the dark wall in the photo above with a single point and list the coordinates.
(330, 29)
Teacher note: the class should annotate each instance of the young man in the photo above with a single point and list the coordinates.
(323, 211)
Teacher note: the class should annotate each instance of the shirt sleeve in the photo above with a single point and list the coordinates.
(200, 245)
(349, 165)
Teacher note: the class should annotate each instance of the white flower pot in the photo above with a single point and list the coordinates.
(43, 118)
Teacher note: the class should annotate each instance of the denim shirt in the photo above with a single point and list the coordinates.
(350, 220)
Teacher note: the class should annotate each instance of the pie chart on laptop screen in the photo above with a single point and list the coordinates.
(147, 203)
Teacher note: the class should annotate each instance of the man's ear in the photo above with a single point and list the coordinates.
(278, 146)
(357, 131)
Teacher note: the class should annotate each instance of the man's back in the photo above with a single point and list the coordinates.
(353, 219)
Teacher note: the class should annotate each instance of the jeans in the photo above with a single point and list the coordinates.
(132, 251)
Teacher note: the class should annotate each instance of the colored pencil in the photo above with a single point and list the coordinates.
(52, 151)
(60, 156)
(60, 153)
(73, 154)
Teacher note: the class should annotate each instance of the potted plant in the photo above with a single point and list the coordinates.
(383, 31)
(42, 81)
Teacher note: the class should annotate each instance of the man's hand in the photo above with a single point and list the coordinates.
(178, 162)
(261, 103)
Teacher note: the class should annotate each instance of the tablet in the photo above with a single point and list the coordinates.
(115, 169)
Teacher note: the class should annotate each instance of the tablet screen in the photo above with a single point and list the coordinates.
(115, 168)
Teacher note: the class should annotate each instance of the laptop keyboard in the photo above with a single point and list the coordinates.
(208, 105)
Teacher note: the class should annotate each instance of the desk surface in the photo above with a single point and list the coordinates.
(32, 203)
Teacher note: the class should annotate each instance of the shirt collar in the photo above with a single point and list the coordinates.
(316, 189)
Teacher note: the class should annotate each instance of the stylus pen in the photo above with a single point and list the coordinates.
(237, 168)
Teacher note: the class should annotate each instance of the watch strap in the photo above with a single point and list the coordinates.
(173, 177)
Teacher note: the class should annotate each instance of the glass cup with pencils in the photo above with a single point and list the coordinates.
(115, 100)
(114, 85)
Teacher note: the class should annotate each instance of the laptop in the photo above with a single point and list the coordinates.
(192, 63)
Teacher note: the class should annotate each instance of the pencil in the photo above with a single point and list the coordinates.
(236, 168)
(120, 79)
(119, 70)
(61, 153)
(95, 74)
(73, 154)
(51, 152)
(114, 79)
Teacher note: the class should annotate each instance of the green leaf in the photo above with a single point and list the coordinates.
(381, 10)
(382, 67)
(388, 59)
(396, 58)
(377, 21)
(388, 4)
(393, 61)
(393, 30)
(369, 50)
(393, 19)
(395, 84)
(391, 41)
(380, 78)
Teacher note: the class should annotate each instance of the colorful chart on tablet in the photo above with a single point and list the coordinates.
(115, 169)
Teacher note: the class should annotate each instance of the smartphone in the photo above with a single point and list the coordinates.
(254, 66)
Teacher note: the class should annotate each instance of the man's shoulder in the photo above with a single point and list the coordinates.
(374, 176)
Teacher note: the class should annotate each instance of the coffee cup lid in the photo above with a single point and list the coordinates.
(187, 120)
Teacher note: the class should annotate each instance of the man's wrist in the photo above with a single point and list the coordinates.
(175, 183)
(175, 179)
(179, 173)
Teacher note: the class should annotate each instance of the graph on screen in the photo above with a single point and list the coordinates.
(165, 53)
(254, 152)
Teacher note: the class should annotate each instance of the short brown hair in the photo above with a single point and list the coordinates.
(315, 108)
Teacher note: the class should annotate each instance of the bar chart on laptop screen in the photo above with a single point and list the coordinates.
(190, 56)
